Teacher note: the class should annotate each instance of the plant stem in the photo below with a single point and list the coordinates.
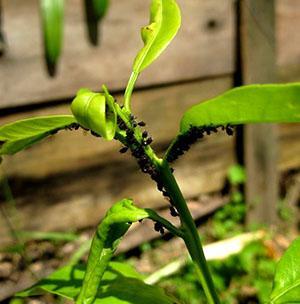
(129, 89)
(191, 236)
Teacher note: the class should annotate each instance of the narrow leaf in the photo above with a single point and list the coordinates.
(271, 103)
(21, 134)
(286, 286)
(95, 11)
(52, 14)
(121, 284)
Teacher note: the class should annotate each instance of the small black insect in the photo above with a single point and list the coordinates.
(123, 150)
(145, 134)
(229, 130)
(142, 124)
(95, 134)
(149, 141)
(173, 211)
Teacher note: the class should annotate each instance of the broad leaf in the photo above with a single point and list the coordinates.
(108, 235)
(21, 134)
(165, 21)
(52, 12)
(120, 284)
(271, 103)
(286, 287)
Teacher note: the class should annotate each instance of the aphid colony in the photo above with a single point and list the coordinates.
(184, 141)
(138, 151)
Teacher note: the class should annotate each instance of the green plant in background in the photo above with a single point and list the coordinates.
(52, 17)
(240, 278)
(102, 282)
(228, 220)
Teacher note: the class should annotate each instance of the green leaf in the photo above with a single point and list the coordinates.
(96, 111)
(21, 134)
(95, 11)
(52, 13)
(286, 286)
(100, 7)
(51, 236)
(271, 103)
(165, 20)
(108, 235)
(120, 284)
(164, 23)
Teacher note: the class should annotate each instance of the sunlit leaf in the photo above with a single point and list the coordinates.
(95, 111)
(108, 235)
(286, 287)
(165, 20)
(164, 23)
(120, 284)
(271, 103)
(21, 134)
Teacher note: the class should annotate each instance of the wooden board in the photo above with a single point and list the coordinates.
(258, 55)
(23, 78)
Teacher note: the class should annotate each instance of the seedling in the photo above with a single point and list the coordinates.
(106, 282)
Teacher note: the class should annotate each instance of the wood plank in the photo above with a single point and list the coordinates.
(288, 39)
(23, 78)
(261, 148)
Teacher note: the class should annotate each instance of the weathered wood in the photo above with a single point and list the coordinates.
(261, 149)
(288, 39)
(23, 78)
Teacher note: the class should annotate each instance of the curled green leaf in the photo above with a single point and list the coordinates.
(52, 14)
(96, 111)
(165, 21)
(108, 235)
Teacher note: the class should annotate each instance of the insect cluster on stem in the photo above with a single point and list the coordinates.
(184, 141)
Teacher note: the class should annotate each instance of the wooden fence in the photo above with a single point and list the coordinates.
(69, 180)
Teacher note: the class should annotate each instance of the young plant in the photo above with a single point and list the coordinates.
(103, 281)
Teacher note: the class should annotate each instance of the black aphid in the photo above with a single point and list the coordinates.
(145, 134)
(149, 141)
(173, 211)
(123, 150)
(142, 124)
(95, 134)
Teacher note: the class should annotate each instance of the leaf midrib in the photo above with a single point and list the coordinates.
(150, 44)
(297, 283)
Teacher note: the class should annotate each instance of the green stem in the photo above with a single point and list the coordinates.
(189, 231)
(191, 236)
(129, 89)
(169, 226)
